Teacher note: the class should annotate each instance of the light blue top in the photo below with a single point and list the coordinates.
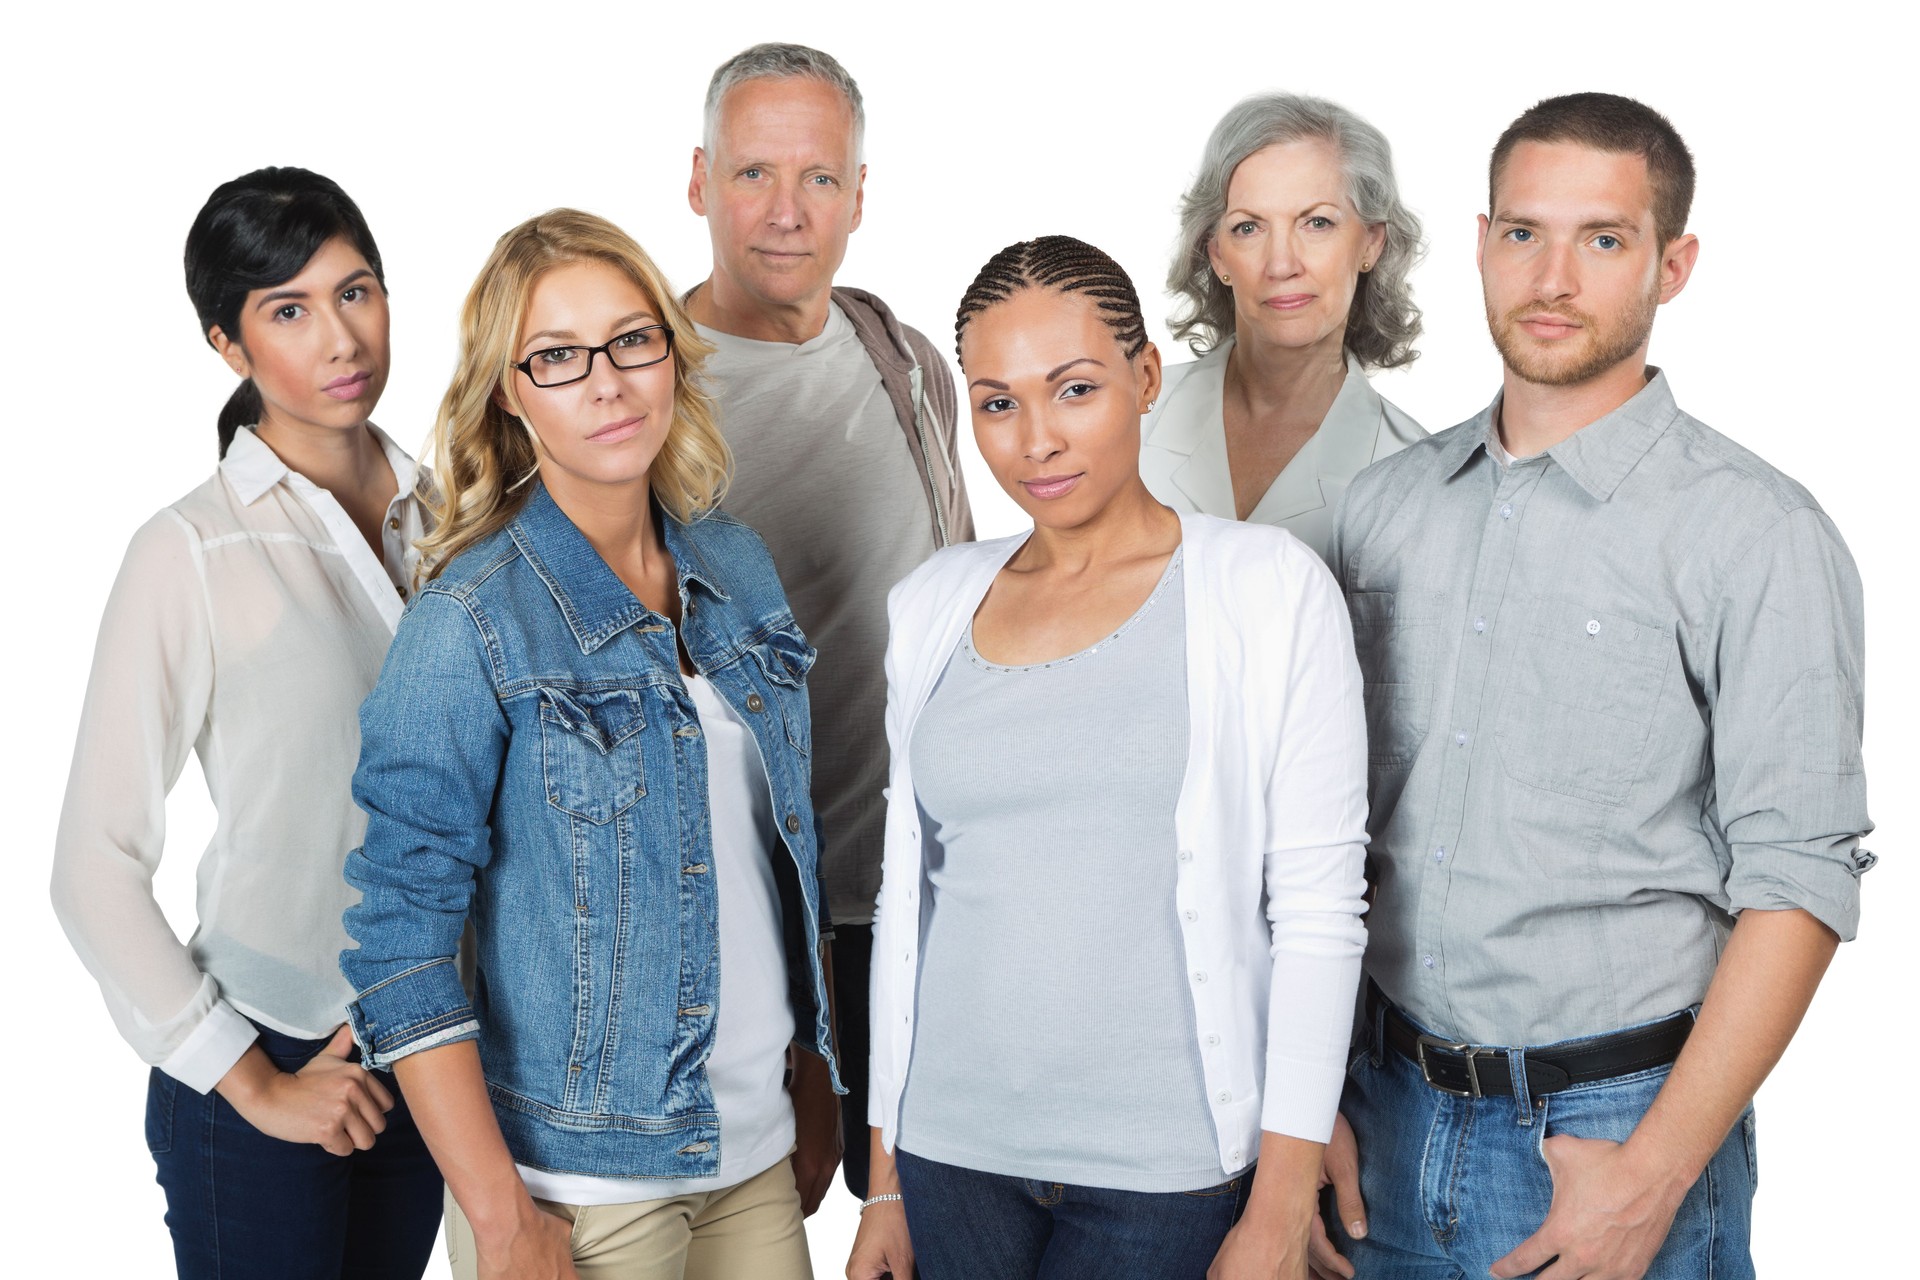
(1056, 1032)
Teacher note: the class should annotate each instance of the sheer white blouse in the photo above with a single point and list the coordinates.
(248, 622)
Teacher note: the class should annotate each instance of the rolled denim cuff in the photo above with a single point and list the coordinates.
(422, 1008)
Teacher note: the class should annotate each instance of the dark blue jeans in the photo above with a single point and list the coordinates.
(242, 1205)
(968, 1225)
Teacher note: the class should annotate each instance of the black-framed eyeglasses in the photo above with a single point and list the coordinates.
(634, 349)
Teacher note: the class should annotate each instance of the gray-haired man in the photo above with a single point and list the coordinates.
(842, 425)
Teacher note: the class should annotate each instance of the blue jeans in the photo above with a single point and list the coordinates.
(1454, 1184)
(241, 1204)
(968, 1225)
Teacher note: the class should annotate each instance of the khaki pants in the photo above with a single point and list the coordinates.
(749, 1231)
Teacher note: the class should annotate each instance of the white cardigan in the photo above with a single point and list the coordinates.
(1270, 824)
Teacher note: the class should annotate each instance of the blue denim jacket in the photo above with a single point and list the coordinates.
(531, 757)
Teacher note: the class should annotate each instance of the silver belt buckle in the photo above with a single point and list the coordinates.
(1424, 1042)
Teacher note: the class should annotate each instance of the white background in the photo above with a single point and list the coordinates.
(988, 123)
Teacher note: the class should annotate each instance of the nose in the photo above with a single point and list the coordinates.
(1283, 255)
(342, 343)
(1039, 441)
(1556, 275)
(783, 207)
(603, 380)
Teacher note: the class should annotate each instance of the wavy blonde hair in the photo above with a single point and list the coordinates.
(482, 454)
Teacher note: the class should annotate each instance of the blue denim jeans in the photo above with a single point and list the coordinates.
(1454, 1184)
(241, 1204)
(968, 1225)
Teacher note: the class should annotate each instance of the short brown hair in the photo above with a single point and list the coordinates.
(1609, 122)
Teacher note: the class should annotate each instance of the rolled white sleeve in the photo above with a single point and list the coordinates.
(146, 706)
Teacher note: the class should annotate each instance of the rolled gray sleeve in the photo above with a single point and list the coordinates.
(1786, 703)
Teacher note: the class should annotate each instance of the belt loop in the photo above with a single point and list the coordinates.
(1522, 1090)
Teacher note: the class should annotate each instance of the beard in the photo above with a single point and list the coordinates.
(1601, 344)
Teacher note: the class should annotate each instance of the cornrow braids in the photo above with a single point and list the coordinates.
(1065, 265)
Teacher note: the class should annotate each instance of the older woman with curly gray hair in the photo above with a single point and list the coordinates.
(1292, 277)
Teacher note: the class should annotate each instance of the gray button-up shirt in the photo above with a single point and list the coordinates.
(1613, 698)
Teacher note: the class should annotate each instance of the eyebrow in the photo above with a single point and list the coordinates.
(618, 327)
(299, 295)
(1618, 222)
(1069, 364)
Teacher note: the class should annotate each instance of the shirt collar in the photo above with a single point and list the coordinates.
(1599, 455)
(593, 600)
(252, 467)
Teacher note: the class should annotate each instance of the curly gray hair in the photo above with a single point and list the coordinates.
(1384, 322)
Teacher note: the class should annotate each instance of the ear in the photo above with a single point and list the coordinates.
(1212, 247)
(1149, 362)
(230, 351)
(697, 183)
(1676, 266)
(1376, 242)
(1480, 245)
(859, 197)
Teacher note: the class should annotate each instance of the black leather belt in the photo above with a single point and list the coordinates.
(1485, 1071)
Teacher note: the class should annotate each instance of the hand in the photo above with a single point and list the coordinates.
(1340, 1168)
(1259, 1248)
(816, 1126)
(881, 1247)
(532, 1245)
(1609, 1215)
(331, 1101)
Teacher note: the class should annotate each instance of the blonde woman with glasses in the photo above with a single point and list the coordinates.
(592, 739)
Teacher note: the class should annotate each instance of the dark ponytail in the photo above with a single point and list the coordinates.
(256, 232)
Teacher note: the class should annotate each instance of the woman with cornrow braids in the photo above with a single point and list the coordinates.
(1118, 936)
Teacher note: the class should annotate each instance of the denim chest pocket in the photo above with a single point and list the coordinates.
(1582, 690)
(785, 657)
(590, 751)
(1394, 635)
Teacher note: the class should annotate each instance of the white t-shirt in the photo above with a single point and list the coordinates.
(753, 1021)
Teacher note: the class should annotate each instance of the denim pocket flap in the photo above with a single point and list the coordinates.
(590, 749)
(785, 656)
(605, 719)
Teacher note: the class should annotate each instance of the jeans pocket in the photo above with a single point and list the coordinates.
(161, 1089)
(1752, 1148)
(1231, 1187)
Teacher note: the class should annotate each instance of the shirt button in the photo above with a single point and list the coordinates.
(1427, 961)
(393, 523)
(907, 958)
(755, 702)
(793, 823)
(1234, 1155)
(1199, 975)
(1460, 738)
(1224, 1096)
(1593, 626)
(1479, 624)
(1440, 854)
(1212, 1039)
(1506, 511)
(1191, 915)
(1186, 855)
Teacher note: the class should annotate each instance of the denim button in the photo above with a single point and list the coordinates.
(687, 731)
(793, 823)
(755, 702)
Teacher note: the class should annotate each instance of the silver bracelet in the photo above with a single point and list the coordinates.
(870, 1201)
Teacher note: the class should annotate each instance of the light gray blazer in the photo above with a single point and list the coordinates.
(1183, 450)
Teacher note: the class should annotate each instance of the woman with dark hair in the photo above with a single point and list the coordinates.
(1292, 276)
(1121, 894)
(248, 622)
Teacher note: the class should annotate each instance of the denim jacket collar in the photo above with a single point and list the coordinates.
(593, 600)
(1599, 455)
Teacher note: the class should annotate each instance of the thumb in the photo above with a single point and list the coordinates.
(342, 1045)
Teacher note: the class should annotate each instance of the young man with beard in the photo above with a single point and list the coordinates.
(841, 420)
(1613, 668)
